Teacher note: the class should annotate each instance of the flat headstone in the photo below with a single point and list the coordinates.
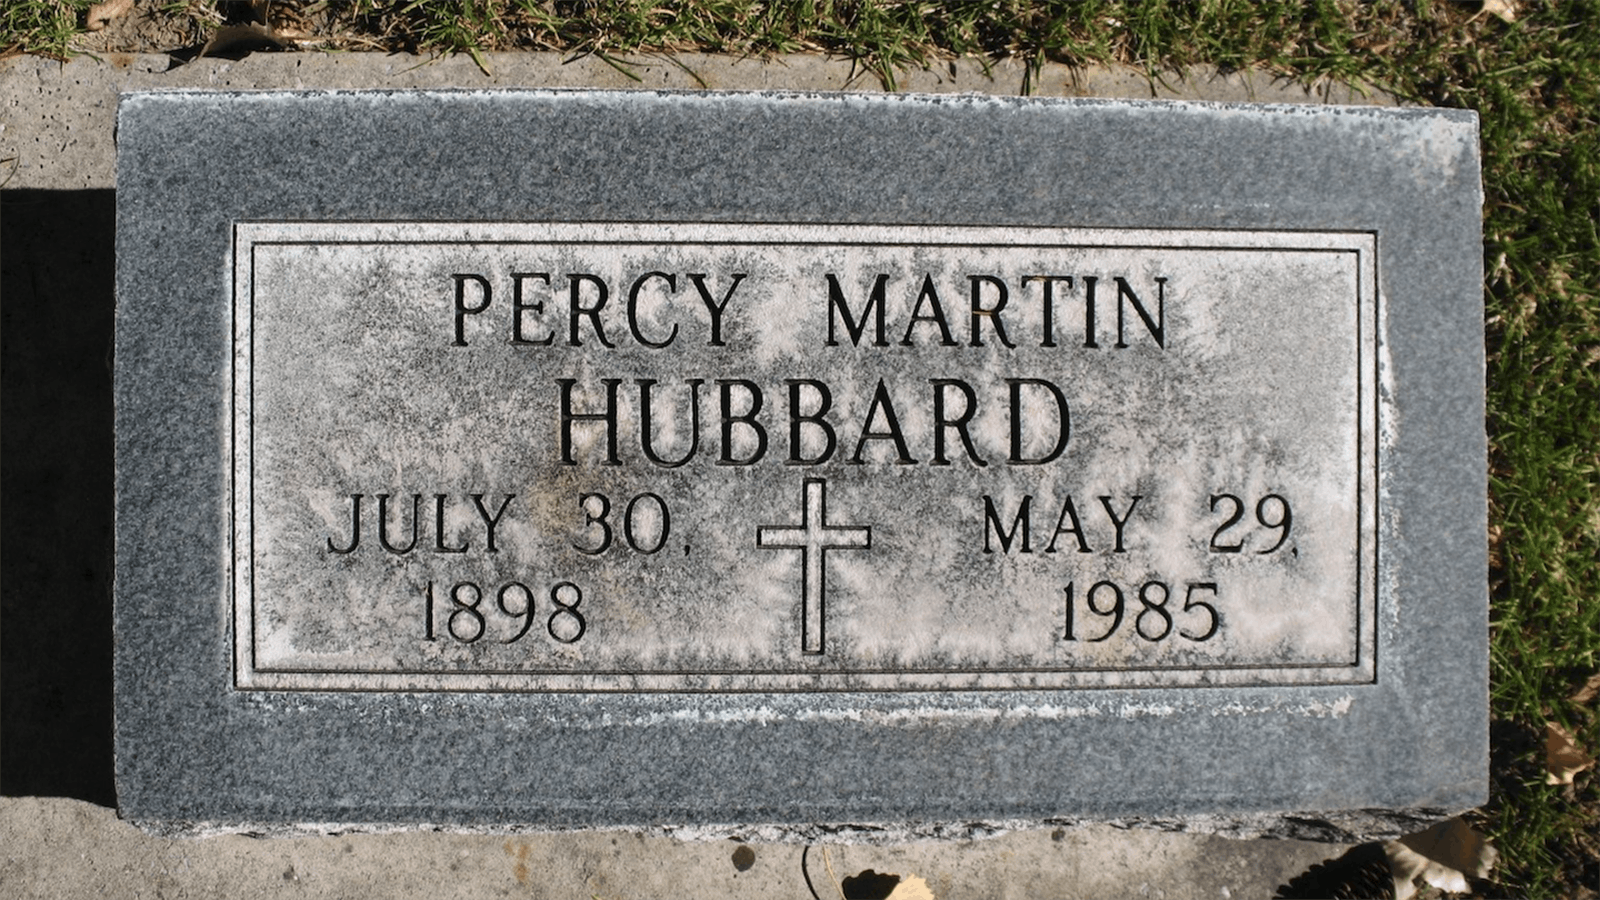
(567, 459)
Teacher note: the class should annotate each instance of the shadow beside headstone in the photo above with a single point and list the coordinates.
(57, 307)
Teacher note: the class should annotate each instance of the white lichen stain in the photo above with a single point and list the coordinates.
(1337, 709)
(1143, 710)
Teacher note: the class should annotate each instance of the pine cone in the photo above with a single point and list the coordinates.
(1362, 873)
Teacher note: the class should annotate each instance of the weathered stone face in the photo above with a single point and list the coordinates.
(873, 460)
(801, 457)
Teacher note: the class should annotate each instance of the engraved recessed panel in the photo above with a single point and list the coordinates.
(659, 457)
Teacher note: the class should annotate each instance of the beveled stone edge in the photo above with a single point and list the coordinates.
(1324, 826)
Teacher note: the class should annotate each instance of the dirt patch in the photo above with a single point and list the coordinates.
(185, 30)
(143, 30)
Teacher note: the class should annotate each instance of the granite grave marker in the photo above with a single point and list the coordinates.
(579, 459)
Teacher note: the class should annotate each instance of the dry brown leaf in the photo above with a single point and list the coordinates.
(242, 37)
(1504, 10)
(911, 887)
(101, 13)
(290, 33)
(870, 883)
(1589, 691)
(1563, 758)
(1442, 856)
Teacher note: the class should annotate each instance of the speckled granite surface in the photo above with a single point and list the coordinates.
(199, 746)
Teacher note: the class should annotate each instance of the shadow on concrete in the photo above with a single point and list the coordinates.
(57, 306)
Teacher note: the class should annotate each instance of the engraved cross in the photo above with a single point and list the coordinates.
(814, 538)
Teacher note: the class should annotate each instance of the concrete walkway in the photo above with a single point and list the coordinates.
(56, 118)
(57, 163)
(57, 848)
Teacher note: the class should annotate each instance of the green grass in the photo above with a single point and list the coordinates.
(42, 28)
(1536, 85)
(1538, 91)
